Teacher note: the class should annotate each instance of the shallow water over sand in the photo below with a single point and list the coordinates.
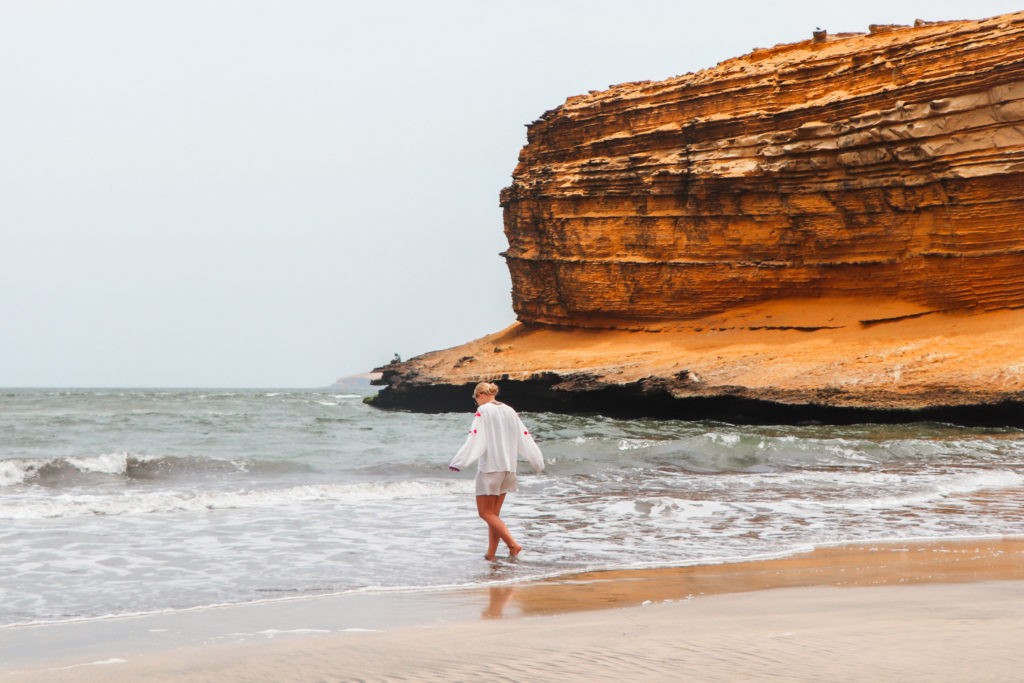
(133, 501)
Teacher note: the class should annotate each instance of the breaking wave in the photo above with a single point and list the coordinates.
(70, 471)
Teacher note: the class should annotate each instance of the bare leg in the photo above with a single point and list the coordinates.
(488, 508)
(492, 535)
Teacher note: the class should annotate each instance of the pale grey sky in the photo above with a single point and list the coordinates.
(260, 194)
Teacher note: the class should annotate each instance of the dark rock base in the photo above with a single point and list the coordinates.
(549, 392)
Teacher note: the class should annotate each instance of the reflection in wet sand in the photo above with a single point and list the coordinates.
(499, 598)
(876, 564)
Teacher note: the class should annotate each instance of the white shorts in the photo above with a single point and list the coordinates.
(495, 483)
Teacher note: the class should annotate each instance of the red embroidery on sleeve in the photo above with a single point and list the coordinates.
(477, 414)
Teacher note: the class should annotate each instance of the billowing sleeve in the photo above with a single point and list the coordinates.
(476, 444)
(529, 449)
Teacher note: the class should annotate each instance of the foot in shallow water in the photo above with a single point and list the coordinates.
(514, 550)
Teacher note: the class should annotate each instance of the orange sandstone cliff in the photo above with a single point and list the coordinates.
(832, 229)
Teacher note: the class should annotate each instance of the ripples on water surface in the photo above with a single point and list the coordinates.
(128, 501)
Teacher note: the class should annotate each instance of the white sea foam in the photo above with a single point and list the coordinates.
(724, 439)
(101, 662)
(635, 444)
(274, 632)
(108, 463)
(947, 480)
(12, 472)
(979, 481)
(71, 504)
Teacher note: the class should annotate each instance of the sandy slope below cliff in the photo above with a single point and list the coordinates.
(833, 352)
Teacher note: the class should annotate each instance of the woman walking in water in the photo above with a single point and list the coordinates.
(497, 438)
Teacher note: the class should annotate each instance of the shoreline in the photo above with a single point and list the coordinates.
(225, 643)
(884, 563)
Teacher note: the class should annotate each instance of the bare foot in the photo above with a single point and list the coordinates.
(490, 558)
(514, 550)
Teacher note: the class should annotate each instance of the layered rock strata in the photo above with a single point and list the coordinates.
(847, 181)
(888, 165)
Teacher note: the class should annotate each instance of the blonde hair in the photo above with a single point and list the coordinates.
(488, 388)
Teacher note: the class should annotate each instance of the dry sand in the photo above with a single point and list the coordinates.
(907, 612)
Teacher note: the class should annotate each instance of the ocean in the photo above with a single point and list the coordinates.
(120, 502)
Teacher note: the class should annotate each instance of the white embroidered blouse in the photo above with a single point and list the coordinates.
(497, 438)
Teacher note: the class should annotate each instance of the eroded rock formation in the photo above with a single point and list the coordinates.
(815, 189)
(890, 164)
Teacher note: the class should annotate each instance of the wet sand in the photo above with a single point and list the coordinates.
(949, 611)
(878, 564)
